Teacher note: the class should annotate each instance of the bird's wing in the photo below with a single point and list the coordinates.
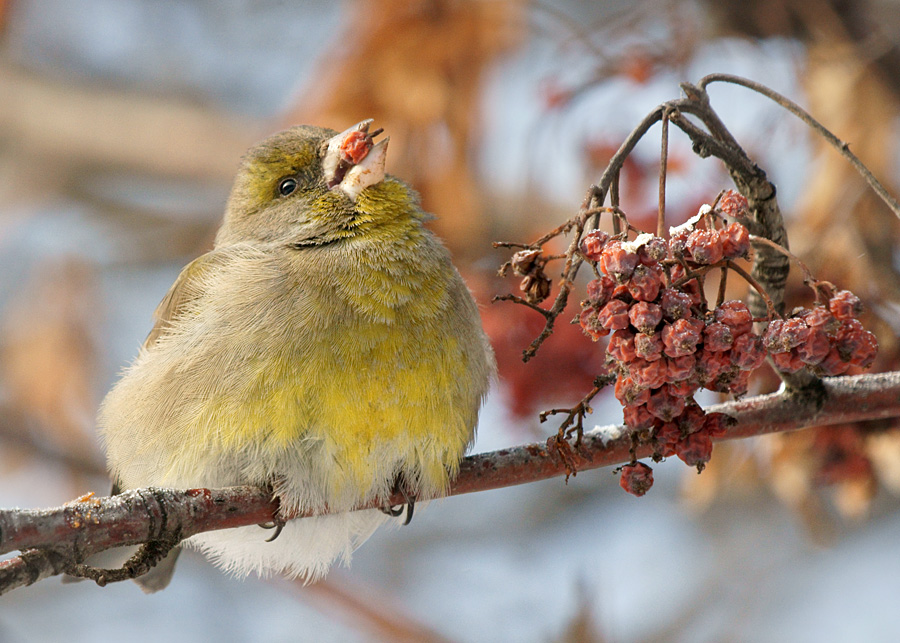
(186, 289)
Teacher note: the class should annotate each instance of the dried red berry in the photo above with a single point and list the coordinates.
(629, 394)
(734, 204)
(681, 368)
(692, 419)
(636, 478)
(695, 449)
(713, 365)
(833, 364)
(788, 362)
(645, 282)
(614, 315)
(747, 352)
(705, 246)
(815, 348)
(648, 374)
(716, 424)
(665, 406)
(621, 346)
(735, 241)
(821, 317)
(685, 388)
(736, 316)
(845, 305)
(648, 346)
(717, 337)
(637, 417)
(592, 244)
(691, 287)
(653, 251)
(618, 262)
(645, 316)
(739, 383)
(858, 346)
(590, 323)
(675, 304)
(600, 291)
(681, 337)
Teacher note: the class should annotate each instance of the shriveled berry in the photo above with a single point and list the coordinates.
(678, 241)
(590, 323)
(648, 346)
(734, 204)
(859, 347)
(821, 317)
(788, 362)
(600, 291)
(648, 374)
(636, 478)
(712, 365)
(645, 282)
(614, 315)
(845, 305)
(692, 419)
(675, 304)
(637, 417)
(592, 244)
(833, 364)
(717, 337)
(525, 261)
(665, 406)
(747, 352)
(618, 262)
(735, 241)
(815, 348)
(716, 424)
(681, 337)
(621, 346)
(735, 315)
(653, 251)
(681, 368)
(738, 384)
(667, 436)
(685, 388)
(629, 394)
(705, 246)
(645, 316)
(695, 449)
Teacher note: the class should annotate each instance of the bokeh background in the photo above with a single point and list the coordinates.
(121, 125)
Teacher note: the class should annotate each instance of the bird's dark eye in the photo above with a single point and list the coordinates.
(287, 185)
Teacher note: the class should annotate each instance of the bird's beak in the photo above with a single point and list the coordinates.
(353, 161)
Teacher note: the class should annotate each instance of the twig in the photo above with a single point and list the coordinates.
(821, 130)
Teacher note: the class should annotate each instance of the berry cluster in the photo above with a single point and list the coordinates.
(827, 338)
(665, 344)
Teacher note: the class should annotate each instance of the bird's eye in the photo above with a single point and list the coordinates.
(287, 185)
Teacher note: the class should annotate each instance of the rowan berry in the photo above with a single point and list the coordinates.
(648, 374)
(667, 436)
(860, 345)
(691, 287)
(695, 449)
(614, 315)
(629, 394)
(681, 337)
(621, 346)
(600, 291)
(637, 417)
(692, 419)
(645, 282)
(617, 262)
(845, 305)
(821, 317)
(665, 406)
(590, 323)
(834, 363)
(653, 251)
(592, 244)
(787, 362)
(645, 316)
(717, 337)
(636, 478)
(735, 315)
(815, 348)
(685, 388)
(747, 352)
(734, 204)
(648, 346)
(675, 304)
(705, 246)
(712, 365)
(681, 368)
(735, 241)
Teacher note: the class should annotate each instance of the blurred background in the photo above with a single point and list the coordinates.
(121, 125)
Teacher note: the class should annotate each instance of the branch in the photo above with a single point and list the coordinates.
(53, 540)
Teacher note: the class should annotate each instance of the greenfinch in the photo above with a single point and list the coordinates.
(326, 346)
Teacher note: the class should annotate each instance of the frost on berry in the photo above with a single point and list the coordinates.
(735, 315)
(645, 316)
(653, 251)
(695, 449)
(636, 478)
(734, 204)
(705, 246)
(590, 323)
(621, 346)
(592, 244)
(617, 261)
(735, 241)
(717, 337)
(648, 346)
(845, 305)
(614, 315)
(675, 304)
(600, 291)
(645, 282)
(681, 338)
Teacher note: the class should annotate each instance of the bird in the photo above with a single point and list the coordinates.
(326, 347)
